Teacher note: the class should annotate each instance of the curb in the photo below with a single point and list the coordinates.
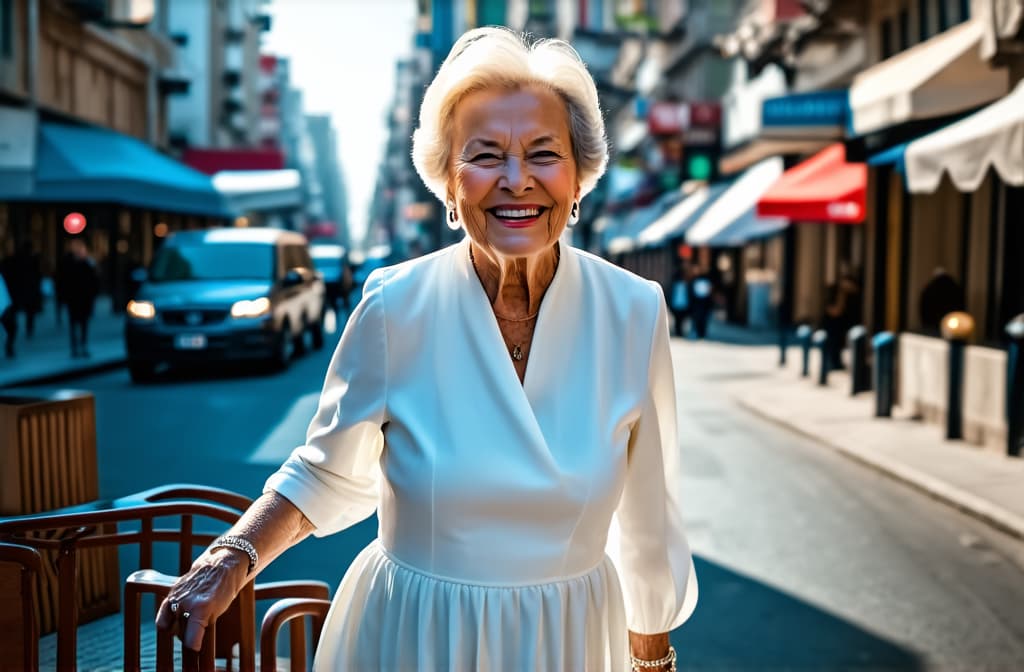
(66, 374)
(981, 509)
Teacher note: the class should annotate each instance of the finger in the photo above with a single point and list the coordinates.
(193, 637)
(164, 618)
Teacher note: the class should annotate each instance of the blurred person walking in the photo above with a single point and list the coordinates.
(8, 320)
(680, 301)
(495, 484)
(24, 283)
(81, 287)
(701, 302)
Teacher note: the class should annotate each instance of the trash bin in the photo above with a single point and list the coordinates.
(48, 461)
(884, 345)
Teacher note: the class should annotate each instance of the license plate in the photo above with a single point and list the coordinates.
(190, 342)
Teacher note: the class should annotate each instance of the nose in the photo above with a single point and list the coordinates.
(517, 178)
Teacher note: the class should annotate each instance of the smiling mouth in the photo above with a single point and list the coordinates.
(517, 215)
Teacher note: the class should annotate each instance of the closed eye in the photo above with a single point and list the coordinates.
(486, 156)
(546, 155)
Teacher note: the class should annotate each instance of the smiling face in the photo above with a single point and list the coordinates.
(512, 172)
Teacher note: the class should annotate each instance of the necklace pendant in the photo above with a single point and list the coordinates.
(517, 353)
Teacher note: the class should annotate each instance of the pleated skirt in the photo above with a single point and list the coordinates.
(391, 617)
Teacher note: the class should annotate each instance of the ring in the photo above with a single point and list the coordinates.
(174, 607)
(185, 615)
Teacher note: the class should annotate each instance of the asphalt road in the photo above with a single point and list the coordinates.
(806, 561)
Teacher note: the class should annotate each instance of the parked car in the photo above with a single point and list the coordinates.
(224, 294)
(332, 262)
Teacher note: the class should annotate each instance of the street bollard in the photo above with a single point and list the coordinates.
(957, 327)
(783, 344)
(803, 336)
(1015, 387)
(820, 341)
(860, 372)
(884, 344)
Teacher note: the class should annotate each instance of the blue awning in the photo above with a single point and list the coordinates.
(96, 165)
(813, 114)
(890, 157)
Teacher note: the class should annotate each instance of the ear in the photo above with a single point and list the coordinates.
(576, 194)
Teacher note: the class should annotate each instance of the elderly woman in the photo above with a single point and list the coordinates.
(499, 403)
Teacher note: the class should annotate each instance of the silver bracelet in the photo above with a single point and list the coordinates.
(239, 544)
(670, 660)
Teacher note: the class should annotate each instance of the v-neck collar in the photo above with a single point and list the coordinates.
(484, 323)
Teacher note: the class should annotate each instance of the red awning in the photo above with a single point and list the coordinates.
(212, 161)
(824, 188)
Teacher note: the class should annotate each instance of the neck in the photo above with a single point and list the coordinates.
(515, 286)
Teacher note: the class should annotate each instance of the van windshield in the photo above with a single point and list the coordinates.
(222, 261)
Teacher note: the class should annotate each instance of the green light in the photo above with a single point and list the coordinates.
(699, 167)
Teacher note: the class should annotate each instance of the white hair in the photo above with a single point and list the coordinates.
(498, 57)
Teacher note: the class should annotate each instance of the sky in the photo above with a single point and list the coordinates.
(343, 55)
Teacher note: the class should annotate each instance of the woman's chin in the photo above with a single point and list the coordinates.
(521, 244)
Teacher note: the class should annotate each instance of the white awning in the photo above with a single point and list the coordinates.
(675, 220)
(943, 75)
(993, 136)
(260, 190)
(739, 201)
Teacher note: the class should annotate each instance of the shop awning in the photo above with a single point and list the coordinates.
(762, 148)
(992, 137)
(95, 165)
(732, 218)
(682, 215)
(824, 188)
(940, 76)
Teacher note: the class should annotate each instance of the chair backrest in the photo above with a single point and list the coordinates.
(20, 567)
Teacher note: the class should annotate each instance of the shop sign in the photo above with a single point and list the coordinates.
(816, 109)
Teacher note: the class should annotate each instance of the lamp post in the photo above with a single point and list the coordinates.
(1015, 387)
(957, 327)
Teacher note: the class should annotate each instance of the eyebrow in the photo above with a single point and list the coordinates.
(494, 143)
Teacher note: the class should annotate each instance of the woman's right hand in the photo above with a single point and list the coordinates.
(204, 593)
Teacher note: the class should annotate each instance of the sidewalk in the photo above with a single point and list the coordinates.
(46, 357)
(983, 484)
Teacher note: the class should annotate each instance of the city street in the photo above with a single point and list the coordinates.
(805, 559)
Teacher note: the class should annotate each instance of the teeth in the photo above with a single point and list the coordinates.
(510, 214)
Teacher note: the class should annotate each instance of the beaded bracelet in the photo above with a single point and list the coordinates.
(670, 660)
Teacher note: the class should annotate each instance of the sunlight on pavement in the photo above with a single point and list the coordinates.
(288, 433)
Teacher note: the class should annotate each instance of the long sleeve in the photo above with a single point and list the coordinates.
(334, 477)
(652, 554)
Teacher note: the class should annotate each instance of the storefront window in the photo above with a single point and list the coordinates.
(6, 35)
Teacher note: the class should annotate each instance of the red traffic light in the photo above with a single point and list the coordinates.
(74, 223)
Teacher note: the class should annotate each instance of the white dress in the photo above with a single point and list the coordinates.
(498, 501)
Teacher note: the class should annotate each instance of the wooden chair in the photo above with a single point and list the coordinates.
(19, 568)
(132, 520)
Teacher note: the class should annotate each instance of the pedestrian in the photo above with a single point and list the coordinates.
(701, 302)
(680, 302)
(64, 264)
(81, 286)
(941, 296)
(24, 283)
(841, 314)
(8, 320)
(496, 487)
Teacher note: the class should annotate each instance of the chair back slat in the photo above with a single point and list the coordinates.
(20, 567)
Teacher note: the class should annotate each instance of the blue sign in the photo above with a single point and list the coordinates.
(818, 108)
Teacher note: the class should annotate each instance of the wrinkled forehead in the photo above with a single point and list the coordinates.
(510, 116)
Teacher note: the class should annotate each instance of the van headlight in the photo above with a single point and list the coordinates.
(141, 310)
(255, 308)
